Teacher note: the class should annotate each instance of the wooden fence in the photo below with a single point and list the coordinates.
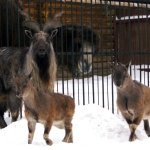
(132, 39)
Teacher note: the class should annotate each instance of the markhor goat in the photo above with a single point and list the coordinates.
(38, 58)
(133, 98)
(48, 109)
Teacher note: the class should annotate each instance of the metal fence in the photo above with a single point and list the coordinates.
(93, 32)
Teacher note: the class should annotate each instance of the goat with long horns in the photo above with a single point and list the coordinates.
(38, 58)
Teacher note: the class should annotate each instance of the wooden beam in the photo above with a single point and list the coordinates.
(134, 3)
(112, 3)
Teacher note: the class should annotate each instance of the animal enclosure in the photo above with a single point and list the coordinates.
(92, 33)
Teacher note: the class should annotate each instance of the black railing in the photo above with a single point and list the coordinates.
(92, 34)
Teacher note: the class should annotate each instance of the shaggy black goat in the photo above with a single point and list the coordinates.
(38, 58)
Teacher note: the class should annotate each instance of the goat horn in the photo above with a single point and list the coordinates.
(53, 23)
(31, 24)
(23, 13)
(58, 15)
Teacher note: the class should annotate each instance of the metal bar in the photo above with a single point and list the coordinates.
(147, 37)
(73, 51)
(115, 39)
(92, 53)
(7, 33)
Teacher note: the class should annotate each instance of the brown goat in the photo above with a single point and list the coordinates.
(133, 98)
(49, 109)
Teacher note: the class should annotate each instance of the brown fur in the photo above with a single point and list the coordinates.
(133, 99)
(48, 109)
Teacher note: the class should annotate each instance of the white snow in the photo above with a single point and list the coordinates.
(133, 17)
(94, 127)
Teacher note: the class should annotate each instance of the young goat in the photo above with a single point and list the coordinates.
(49, 109)
(133, 98)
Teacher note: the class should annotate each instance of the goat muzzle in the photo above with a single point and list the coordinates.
(18, 94)
(41, 52)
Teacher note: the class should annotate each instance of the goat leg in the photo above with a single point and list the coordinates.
(146, 127)
(31, 128)
(132, 129)
(21, 109)
(46, 134)
(133, 125)
(14, 115)
(70, 140)
(14, 104)
(2, 122)
(68, 133)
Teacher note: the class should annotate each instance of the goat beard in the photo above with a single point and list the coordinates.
(43, 66)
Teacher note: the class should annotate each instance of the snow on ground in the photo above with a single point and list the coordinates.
(94, 128)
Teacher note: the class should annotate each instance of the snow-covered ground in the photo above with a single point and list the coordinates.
(94, 127)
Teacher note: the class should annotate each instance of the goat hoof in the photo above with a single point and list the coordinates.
(49, 142)
(148, 133)
(64, 141)
(133, 138)
(29, 141)
(70, 140)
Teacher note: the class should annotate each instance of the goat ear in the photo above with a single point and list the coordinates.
(111, 65)
(30, 76)
(128, 65)
(54, 32)
(29, 34)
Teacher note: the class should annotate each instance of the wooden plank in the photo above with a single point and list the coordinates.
(100, 58)
(105, 32)
(108, 46)
(29, 4)
(31, 11)
(102, 25)
(111, 3)
(82, 12)
(100, 65)
(80, 19)
(94, 3)
(72, 6)
(87, 12)
(109, 39)
(74, 15)
(95, 25)
(105, 52)
(85, 22)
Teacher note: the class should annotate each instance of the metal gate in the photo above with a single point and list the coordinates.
(93, 32)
